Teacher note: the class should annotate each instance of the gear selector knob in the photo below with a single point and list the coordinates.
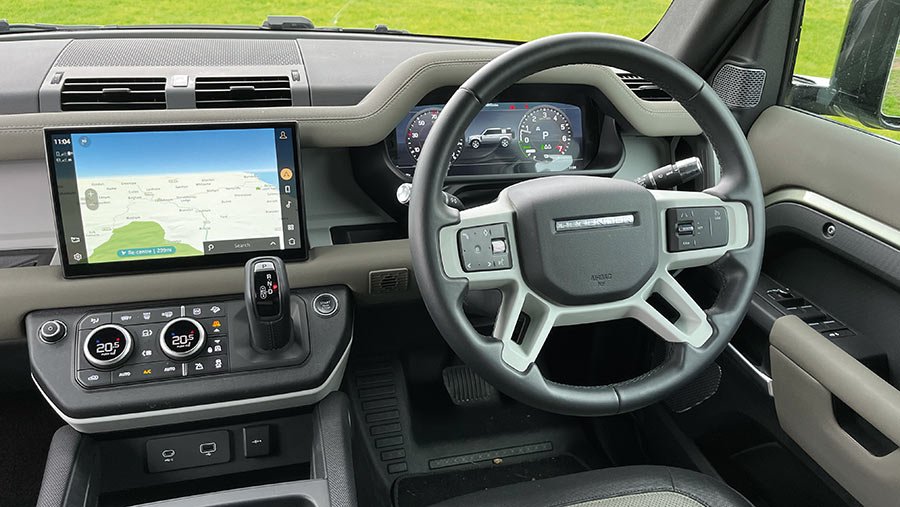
(267, 295)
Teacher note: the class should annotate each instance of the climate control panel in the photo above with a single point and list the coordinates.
(139, 362)
(123, 347)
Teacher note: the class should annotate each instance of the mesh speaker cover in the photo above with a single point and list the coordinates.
(739, 87)
(179, 53)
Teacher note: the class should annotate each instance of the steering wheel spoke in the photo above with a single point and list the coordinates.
(698, 228)
(523, 324)
(682, 322)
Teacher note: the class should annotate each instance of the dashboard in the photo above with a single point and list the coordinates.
(169, 151)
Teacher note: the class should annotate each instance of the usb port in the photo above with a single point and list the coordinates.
(208, 448)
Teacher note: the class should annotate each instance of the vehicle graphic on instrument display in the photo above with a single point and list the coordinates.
(501, 136)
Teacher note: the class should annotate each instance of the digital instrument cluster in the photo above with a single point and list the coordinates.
(505, 137)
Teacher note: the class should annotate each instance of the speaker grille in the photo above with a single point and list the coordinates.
(387, 281)
(179, 53)
(739, 87)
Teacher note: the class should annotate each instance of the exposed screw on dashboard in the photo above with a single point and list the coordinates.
(829, 229)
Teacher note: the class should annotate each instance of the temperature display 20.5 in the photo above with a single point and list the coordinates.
(513, 137)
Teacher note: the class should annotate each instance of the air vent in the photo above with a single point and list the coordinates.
(108, 94)
(265, 91)
(644, 88)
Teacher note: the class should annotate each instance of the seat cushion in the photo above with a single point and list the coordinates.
(636, 486)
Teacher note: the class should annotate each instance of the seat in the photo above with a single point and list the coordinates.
(634, 486)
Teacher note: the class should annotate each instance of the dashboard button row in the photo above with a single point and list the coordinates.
(157, 370)
(152, 315)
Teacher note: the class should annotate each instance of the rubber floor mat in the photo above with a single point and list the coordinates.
(428, 489)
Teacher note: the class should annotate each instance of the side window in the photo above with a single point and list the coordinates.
(847, 66)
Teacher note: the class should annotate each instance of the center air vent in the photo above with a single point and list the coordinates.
(107, 94)
(644, 89)
(264, 91)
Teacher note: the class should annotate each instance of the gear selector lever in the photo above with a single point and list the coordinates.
(267, 295)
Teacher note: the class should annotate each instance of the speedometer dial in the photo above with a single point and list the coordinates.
(545, 134)
(418, 129)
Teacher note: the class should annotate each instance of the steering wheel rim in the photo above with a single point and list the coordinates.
(432, 225)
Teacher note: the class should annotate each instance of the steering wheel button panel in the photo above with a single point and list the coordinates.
(484, 248)
(696, 228)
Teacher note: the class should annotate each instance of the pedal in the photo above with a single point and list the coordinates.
(466, 388)
(697, 391)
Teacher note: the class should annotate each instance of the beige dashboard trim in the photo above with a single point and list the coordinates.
(40, 288)
(168, 416)
(837, 211)
(367, 122)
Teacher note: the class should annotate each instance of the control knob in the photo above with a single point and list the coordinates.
(108, 346)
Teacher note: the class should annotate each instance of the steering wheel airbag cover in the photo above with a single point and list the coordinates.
(585, 240)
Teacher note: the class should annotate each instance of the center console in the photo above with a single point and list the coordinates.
(219, 400)
(162, 363)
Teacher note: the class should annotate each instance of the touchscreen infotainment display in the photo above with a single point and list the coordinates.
(138, 199)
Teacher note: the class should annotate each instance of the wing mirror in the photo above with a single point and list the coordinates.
(865, 84)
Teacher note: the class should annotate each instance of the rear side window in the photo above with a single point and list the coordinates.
(847, 65)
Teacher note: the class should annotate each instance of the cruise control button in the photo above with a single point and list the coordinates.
(93, 378)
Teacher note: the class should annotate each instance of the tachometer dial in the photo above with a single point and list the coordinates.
(545, 133)
(418, 129)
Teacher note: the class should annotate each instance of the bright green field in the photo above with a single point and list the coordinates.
(823, 24)
(139, 235)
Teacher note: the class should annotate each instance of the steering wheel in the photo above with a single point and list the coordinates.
(566, 250)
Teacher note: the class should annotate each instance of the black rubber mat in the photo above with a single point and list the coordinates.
(427, 489)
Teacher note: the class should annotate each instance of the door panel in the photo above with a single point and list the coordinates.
(835, 396)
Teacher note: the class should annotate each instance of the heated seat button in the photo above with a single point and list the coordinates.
(256, 441)
(95, 320)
